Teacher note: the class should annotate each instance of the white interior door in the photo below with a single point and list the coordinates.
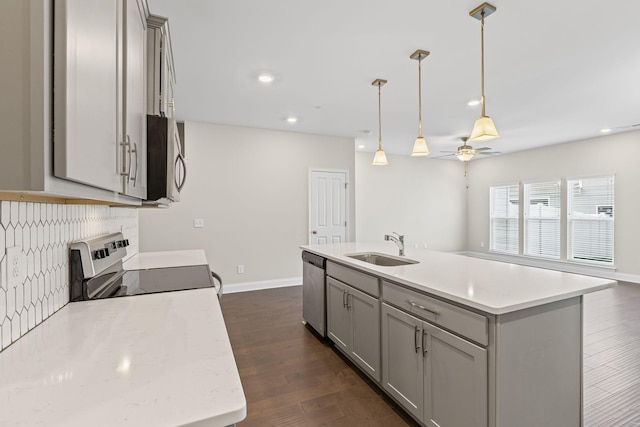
(328, 207)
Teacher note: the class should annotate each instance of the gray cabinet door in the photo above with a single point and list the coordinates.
(455, 392)
(134, 132)
(337, 314)
(403, 364)
(86, 141)
(364, 313)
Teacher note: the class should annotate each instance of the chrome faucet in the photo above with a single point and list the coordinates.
(399, 240)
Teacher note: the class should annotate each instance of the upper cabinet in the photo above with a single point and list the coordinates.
(134, 133)
(75, 83)
(87, 93)
(99, 94)
(162, 78)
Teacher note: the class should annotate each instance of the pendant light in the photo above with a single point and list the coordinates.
(420, 147)
(484, 129)
(380, 159)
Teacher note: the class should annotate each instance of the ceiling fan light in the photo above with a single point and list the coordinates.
(484, 130)
(420, 147)
(464, 156)
(380, 158)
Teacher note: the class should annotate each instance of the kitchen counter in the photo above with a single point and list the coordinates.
(155, 359)
(489, 286)
(163, 259)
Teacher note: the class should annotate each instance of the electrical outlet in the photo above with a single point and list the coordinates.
(198, 223)
(240, 269)
(16, 266)
(482, 244)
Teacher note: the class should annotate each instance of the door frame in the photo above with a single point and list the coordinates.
(346, 202)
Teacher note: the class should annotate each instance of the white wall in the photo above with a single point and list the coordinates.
(422, 198)
(251, 188)
(613, 154)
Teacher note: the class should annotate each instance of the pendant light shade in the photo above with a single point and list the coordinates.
(380, 158)
(484, 129)
(420, 147)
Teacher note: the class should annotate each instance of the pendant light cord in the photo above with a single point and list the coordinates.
(420, 96)
(379, 119)
(482, 60)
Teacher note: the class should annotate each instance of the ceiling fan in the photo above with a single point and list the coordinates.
(465, 152)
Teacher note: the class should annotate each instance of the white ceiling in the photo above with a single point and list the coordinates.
(556, 71)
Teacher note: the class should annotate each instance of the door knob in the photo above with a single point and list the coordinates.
(314, 232)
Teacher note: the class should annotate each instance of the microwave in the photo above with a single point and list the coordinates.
(166, 166)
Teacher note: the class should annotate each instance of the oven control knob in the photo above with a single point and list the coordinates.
(106, 251)
(99, 254)
(126, 242)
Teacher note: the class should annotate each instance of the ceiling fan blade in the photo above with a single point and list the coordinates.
(482, 149)
(452, 152)
(446, 155)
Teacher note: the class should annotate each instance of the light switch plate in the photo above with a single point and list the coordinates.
(198, 223)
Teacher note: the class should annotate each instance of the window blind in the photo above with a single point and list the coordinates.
(590, 219)
(504, 215)
(541, 212)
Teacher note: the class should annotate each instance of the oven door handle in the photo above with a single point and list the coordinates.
(217, 277)
(180, 161)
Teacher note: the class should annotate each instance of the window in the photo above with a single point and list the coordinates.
(541, 212)
(504, 202)
(590, 216)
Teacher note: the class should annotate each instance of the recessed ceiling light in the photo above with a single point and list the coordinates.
(292, 119)
(607, 130)
(266, 78)
(361, 146)
(366, 132)
(473, 102)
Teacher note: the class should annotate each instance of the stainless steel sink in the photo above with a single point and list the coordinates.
(382, 259)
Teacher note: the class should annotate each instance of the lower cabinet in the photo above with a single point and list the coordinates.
(438, 377)
(353, 324)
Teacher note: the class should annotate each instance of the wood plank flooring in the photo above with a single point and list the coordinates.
(290, 378)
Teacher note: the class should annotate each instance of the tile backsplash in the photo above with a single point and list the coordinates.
(44, 231)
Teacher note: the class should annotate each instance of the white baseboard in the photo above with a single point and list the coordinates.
(264, 284)
(567, 267)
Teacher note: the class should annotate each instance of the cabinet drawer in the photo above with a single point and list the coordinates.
(355, 278)
(471, 325)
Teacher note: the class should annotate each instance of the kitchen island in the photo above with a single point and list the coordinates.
(461, 341)
(154, 359)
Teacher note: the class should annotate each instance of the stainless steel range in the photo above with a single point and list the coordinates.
(96, 272)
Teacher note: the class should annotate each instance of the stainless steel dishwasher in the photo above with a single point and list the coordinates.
(313, 292)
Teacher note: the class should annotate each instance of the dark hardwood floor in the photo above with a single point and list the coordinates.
(291, 378)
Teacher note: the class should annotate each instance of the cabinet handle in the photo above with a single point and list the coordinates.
(424, 343)
(421, 307)
(349, 305)
(416, 331)
(134, 151)
(127, 146)
(344, 298)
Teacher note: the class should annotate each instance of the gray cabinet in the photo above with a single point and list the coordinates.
(134, 131)
(353, 324)
(86, 100)
(439, 378)
(161, 82)
(70, 79)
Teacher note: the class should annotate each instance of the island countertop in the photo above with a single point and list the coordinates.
(154, 359)
(490, 286)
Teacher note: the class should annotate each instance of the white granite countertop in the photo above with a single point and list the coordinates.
(490, 286)
(151, 360)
